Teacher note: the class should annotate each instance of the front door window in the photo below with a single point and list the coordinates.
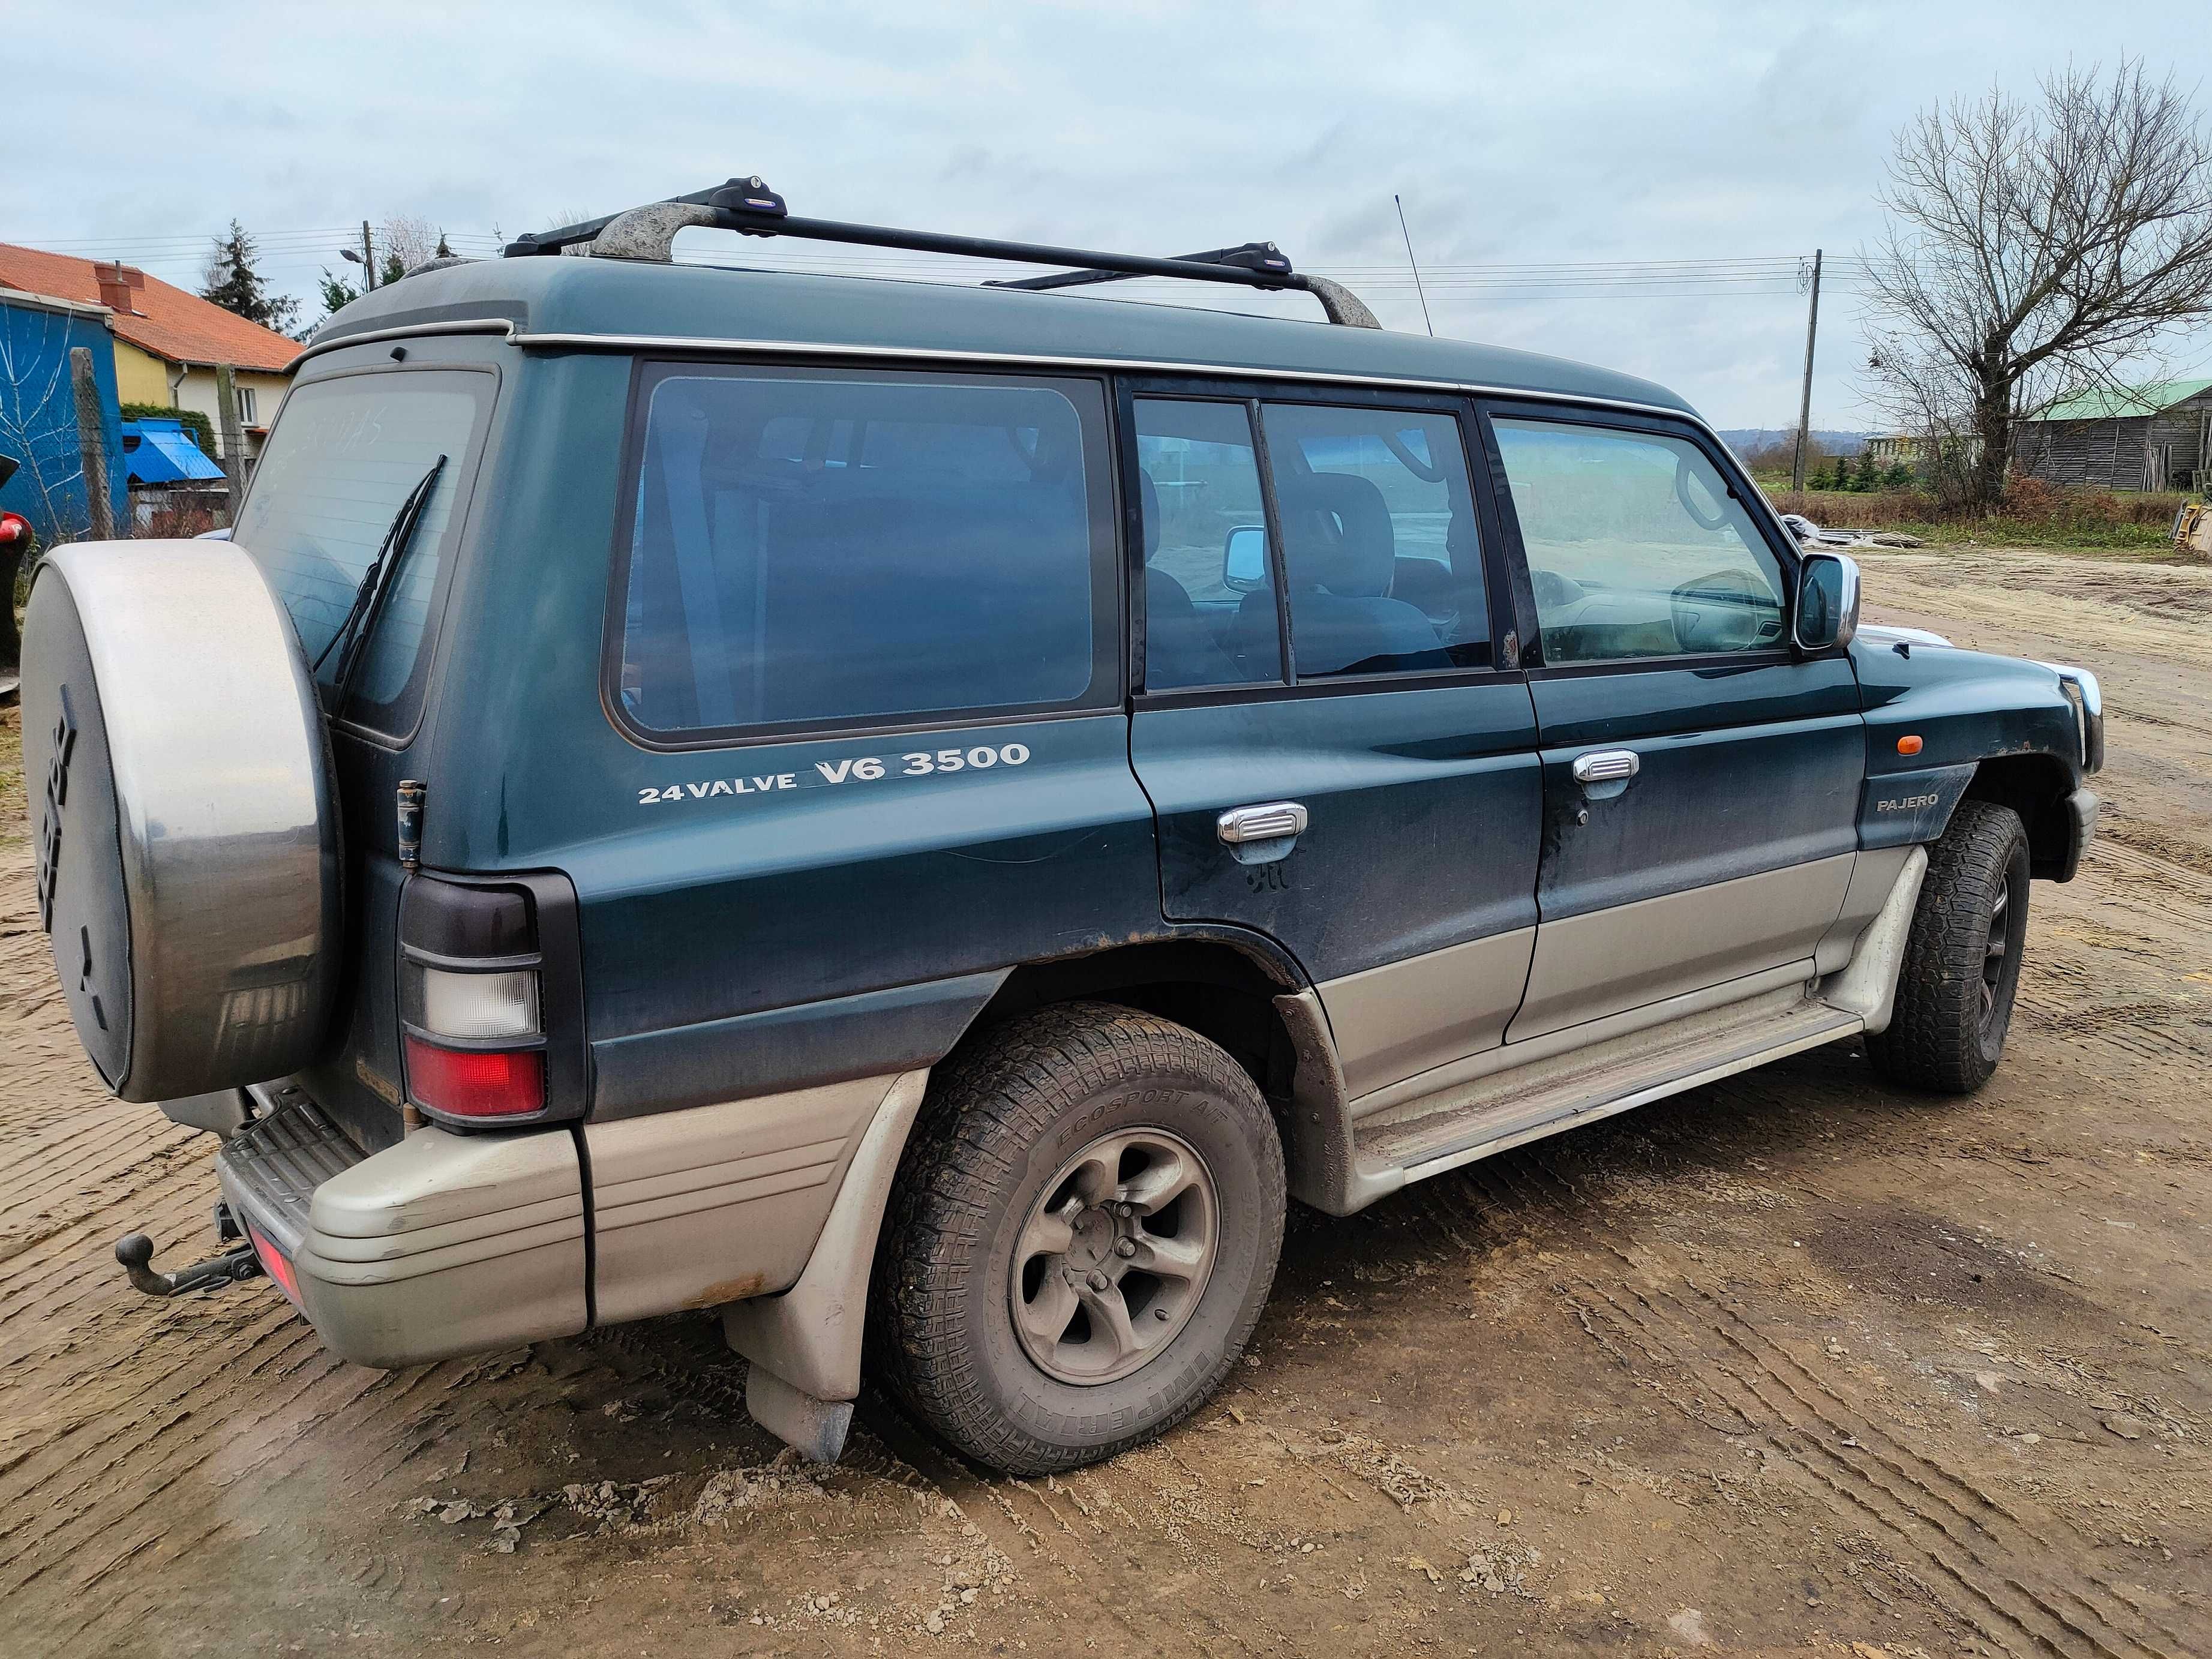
(1637, 546)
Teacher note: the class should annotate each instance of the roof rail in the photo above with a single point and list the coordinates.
(749, 207)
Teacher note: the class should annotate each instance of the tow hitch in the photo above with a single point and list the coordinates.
(136, 1252)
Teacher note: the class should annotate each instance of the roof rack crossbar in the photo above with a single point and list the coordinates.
(749, 207)
(1249, 256)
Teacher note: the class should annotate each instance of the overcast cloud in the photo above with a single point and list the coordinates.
(1535, 135)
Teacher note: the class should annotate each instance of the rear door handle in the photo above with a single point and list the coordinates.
(1270, 821)
(1606, 766)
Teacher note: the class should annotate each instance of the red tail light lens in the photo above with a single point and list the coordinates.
(274, 1264)
(13, 529)
(476, 1083)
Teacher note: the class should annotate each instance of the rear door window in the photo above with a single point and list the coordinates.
(1381, 549)
(344, 455)
(822, 550)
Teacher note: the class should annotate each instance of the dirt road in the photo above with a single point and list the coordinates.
(1794, 1362)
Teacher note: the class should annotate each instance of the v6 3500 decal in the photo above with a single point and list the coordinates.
(864, 768)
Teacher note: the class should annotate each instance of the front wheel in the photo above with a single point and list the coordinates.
(1961, 967)
(1080, 1239)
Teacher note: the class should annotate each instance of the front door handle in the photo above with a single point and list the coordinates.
(1606, 766)
(1270, 821)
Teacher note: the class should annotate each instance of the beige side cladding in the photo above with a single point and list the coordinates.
(712, 1204)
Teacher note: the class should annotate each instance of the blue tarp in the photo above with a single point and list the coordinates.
(159, 452)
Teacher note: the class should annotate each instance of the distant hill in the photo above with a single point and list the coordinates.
(1748, 439)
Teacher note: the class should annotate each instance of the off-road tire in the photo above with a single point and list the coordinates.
(1942, 1036)
(1001, 1121)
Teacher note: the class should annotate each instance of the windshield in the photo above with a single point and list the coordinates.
(343, 457)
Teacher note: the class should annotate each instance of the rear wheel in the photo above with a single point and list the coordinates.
(1080, 1240)
(1961, 967)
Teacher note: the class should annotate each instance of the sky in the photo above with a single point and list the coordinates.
(1535, 148)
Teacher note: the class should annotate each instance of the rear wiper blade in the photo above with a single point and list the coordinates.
(375, 587)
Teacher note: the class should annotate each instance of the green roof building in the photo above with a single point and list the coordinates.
(2156, 436)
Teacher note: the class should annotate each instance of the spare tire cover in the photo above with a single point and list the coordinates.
(183, 815)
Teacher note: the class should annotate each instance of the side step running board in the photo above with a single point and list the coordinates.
(1508, 1108)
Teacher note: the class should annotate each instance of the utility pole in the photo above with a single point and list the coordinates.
(368, 260)
(234, 437)
(1805, 404)
(92, 444)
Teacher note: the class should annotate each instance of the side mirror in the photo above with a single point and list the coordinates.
(1827, 601)
(1244, 559)
(8, 465)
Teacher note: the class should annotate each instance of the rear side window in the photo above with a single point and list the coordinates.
(815, 549)
(345, 454)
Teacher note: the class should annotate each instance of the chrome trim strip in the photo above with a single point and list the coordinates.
(2088, 712)
(1041, 361)
(504, 325)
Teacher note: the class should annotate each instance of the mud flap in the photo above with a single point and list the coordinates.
(816, 1428)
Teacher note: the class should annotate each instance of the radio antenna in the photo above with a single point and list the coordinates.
(1412, 261)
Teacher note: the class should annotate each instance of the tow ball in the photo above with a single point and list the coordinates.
(136, 1252)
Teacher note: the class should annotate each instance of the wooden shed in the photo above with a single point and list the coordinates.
(2146, 437)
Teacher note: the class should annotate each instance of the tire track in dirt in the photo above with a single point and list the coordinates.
(1731, 1392)
(2010, 1583)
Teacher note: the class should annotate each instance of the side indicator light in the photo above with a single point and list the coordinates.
(1908, 744)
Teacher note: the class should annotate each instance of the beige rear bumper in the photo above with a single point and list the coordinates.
(445, 1245)
(449, 1244)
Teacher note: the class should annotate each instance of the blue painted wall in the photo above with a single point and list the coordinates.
(38, 419)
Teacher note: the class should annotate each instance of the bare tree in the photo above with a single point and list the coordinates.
(2033, 249)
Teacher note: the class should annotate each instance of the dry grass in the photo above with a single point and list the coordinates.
(2035, 514)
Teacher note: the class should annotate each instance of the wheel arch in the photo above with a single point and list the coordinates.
(1243, 992)
(1223, 986)
(2036, 786)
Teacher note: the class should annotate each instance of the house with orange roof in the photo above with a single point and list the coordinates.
(167, 342)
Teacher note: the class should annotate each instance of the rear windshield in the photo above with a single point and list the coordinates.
(343, 457)
(822, 549)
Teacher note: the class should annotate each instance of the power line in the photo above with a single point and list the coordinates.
(300, 256)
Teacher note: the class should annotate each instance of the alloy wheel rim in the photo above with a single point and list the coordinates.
(1994, 952)
(1113, 1256)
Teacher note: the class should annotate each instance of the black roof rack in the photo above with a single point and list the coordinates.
(1249, 256)
(749, 207)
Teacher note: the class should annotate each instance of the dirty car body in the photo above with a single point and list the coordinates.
(786, 687)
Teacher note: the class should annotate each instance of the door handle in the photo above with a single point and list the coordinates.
(1606, 766)
(1270, 821)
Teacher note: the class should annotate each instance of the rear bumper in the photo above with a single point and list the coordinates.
(442, 1245)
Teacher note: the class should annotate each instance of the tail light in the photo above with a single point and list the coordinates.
(490, 1000)
(13, 530)
(276, 1264)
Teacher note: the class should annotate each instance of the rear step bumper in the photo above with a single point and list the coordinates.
(442, 1245)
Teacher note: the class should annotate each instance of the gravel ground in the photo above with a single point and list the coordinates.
(1795, 1362)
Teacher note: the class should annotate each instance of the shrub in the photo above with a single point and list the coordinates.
(2034, 513)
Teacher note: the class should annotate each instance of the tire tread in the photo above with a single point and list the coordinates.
(985, 1111)
(1933, 1041)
